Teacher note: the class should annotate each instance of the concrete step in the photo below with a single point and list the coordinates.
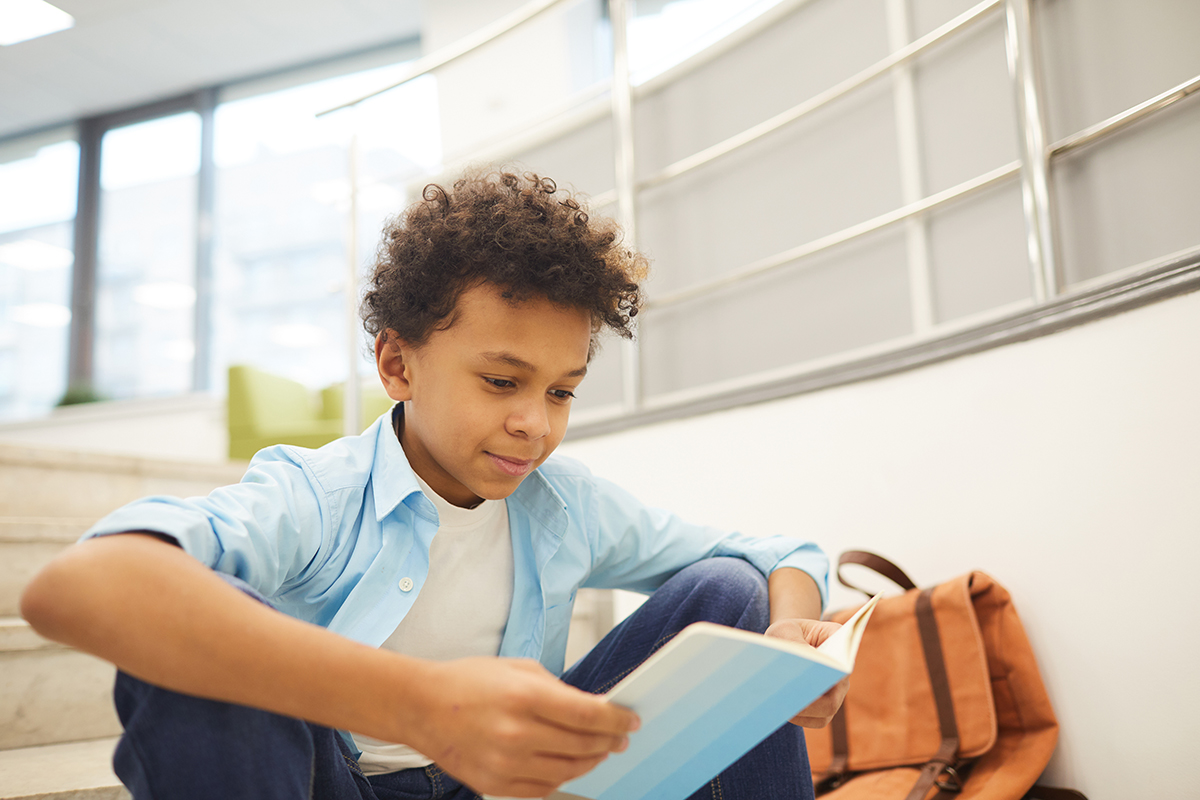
(43, 482)
(71, 771)
(26, 545)
(51, 693)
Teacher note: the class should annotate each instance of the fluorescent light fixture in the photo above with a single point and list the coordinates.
(32, 255)
(42, 315)
(22, 20)
(165, 295)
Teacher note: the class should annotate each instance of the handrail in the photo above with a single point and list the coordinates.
(1031, 144)
(460, 48)
(1087, 136)
(778, 260)
(778, 121)
(1125, 118)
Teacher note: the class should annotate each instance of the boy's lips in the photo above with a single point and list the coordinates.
(512, 466)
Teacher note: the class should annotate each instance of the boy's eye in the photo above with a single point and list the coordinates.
(562, 394)
(500, 383)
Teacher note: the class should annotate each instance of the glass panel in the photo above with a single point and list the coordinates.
(978, 254)
(838, 300)
(604, 383)
(664, 32)
(833, 169)
(966, 117)
(580, 159)
(1100, 57)
(282, 201)
(926, 15)
(500, 90)
(771, 72)
(145, 278)
(37, 209)
(1131, 198)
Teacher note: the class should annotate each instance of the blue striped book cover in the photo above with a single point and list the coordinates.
(705, 699)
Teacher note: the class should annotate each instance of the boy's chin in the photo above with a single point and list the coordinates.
(499, 492)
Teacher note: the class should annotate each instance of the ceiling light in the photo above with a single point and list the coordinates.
(22, 20)
(33, 255)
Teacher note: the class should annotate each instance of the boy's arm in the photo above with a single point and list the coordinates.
(796, 615)
(502, 726)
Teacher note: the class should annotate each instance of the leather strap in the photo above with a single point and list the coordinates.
(935, 663)
(874, 562)
(841, 742)
(836, 774)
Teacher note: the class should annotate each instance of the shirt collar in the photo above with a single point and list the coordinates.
(394, 482)
(392, 478)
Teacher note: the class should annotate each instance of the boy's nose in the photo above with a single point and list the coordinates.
(530, 420)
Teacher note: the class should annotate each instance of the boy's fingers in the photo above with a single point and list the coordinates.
(821, 711)
(557, 771)
(579, 711)
(573, 744)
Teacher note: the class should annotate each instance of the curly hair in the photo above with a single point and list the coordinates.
(518, 232)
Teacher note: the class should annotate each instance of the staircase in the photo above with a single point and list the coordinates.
(57, 723)
(58, 727)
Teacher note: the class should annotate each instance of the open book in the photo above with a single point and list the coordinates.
(705, 699)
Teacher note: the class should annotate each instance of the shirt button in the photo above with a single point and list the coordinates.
(406, 584)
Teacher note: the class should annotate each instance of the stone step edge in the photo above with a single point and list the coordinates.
(217, 473)
(39, 530)
(16, 636)
(70, 771)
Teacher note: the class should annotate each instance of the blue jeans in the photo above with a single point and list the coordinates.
(182, 747)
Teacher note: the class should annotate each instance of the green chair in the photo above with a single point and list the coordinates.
(265, 409)
(370, 404)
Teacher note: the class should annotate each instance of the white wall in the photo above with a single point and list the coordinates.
(1067, 467)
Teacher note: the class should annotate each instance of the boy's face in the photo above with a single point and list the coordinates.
(487, 399)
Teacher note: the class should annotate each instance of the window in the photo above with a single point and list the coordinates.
(282, 202)
(39, 177)
(145, 278)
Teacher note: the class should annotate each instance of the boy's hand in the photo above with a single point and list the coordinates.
(814, 632)
(508, 727)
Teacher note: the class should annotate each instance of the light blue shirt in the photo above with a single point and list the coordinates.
(340, 536)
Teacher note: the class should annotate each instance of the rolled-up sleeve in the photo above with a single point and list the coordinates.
(267, 530)
(637, 547)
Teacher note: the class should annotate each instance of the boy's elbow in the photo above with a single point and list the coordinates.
(44, 600)
(63, 593)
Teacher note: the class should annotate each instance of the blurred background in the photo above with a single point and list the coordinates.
(922, 271)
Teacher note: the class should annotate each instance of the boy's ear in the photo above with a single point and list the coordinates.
(393, 369)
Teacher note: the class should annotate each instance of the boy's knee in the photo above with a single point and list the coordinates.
(731, 577)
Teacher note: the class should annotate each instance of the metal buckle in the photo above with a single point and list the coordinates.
(948, 780)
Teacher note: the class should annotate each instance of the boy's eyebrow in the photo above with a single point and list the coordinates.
(520, 363)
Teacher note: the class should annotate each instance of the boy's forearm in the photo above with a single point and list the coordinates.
(793, 595)
(158, 614)
(504, 726)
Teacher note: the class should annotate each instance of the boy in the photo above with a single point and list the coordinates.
(401, 574)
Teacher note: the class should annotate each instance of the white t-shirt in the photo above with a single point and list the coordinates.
(451, 617)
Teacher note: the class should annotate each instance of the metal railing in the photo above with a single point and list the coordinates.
(1032, 168)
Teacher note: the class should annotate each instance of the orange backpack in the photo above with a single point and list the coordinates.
(945, 700)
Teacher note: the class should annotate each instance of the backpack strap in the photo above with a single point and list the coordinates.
(940, 768)
(874, 562)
